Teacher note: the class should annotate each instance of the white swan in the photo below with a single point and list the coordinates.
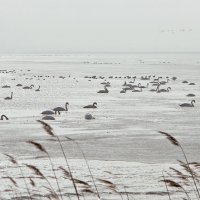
(48, 118)
(190, 95)
(59, 109)
(4, 116)
(48, 112)
(37, 90)
(188, 104)
(164, 90)
(103, 91)
(9, 98)
(28, 87)
(94, 105)
(88, 116)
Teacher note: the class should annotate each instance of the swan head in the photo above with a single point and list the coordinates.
(95, 104)
(193, 101)
(66, 106)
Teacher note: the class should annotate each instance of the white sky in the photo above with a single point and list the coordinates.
(38, 26)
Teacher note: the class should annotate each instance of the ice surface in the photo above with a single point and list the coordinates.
(123, 139)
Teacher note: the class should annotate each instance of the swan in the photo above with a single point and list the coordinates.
(156, 84)
(133, 80)
(3, 116)
(48, 118)
(163, 90)
(123, 91)
(6, 86)
(190, 95)
(105, 83)
(192, 84)
(145, 77)
(28, 87)
(141, 86)
(134, 90)
(88, 116)
(19, 85)
(38, 89)
(130, 85)
(103, 91)
(128, 88)
(9, 98)
(164, 82)
(59, 109)
(155, 90)
(124, 83)
(185, 82)
(174, 78)
(94, 105)
(188, 104)
(157, 79)
(48, 112)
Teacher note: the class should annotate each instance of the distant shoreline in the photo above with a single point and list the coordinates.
(69, 53)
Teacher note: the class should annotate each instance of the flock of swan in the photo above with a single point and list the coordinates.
(157, 84)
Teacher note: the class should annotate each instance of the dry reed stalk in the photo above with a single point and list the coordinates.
(174, 184)
(82, 182)
(110, 185)
(87, 164)
(42, 149)
(175, 142)
(32, 182)
(12, 180)
(65, 172)
(14, 161)
(47, 128)
(49, 131)
(87, 191)
(37, 172)
(180, 175)
(126, 193)
(51, 194)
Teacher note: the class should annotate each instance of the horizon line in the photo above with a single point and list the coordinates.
(102, 52)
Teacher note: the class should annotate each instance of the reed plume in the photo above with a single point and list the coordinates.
(37, 172)
(32, 182)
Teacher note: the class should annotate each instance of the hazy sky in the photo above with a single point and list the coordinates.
(34, 26)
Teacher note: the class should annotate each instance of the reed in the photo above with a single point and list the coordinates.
(49, 131)
(87, 164)
(14, 161)
(191, 174)
(42, 149)
(37, 172)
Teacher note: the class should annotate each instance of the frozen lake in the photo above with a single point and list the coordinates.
(122, 144)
